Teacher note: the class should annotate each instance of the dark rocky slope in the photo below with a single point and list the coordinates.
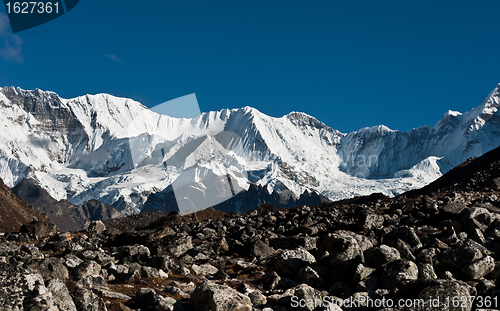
(13, 211)
(437, 250)
(243, 201)
(475, 174)
(67, 216)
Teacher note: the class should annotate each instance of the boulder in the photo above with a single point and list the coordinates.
(61, 296)
(96, 227)
(380, 255)
(399, 271)
(39, 229)
(215, 297)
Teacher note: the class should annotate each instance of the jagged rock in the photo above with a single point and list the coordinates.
(103, 292)
(308, 294)
(289, 262)
(177, 244)
(399, 271)
(132, 253)
(51, 268)
(39, 229)
(272, 280)
(257, 298)
(442, 296)
(480, 268)
(148, 299)
(214, 297)
(344, 249)
(430, 205)
(32, 251)
(86, 268)
(149, 272)
(205, 269)
(72, 261)
(494, 230)
(300, 297)
(92, 281)
(17, 284)
(426, 271)
(464, 254)
(380, 255)
(453, 208)
(310, 276)
(369, 220)
(61, 296)
(86, 300)
(96, 227)
(428, 255)
(404, 250)
(260, 249)
(404, 233)
(41, 299)
(362, 272)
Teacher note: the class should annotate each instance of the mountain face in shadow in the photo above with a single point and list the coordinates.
(13, 211)
(242, 202)
(66, 216)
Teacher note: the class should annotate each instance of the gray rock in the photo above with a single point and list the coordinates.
(362, 272)
(257, 298)
(289, 262)
(399, 271)
(31, 251)
(369, 221)
(272, 281)
(86, 268)
(260, 249)
(97, 227)
(475, 218)
(149, 272)
(344, 249)
(426, 271)
(17, 285)
(51, 268)
(71, 261)
(308, 294)
(205, 269)
(61, 296)
(406, 234)
(214, 297)
(480, 268)
(86, 300)
(444, 293)
(104, 292)
(428, 255)
(177, 244)
(464, 254)
(380, 255)
(310, 276)
(147, 298)
(404, 250)
(39, 229)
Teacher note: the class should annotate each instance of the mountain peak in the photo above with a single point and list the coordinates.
(118, 151)
(451, 113)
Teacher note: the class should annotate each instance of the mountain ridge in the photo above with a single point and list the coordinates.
(118, 151)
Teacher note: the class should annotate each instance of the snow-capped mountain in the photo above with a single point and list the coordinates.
(119, 152)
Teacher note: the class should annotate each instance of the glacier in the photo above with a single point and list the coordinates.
(118, 151)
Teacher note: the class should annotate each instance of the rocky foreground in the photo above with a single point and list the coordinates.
(434, 250)
(267, 259)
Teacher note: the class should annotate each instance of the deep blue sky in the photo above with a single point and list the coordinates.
(351, 64)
